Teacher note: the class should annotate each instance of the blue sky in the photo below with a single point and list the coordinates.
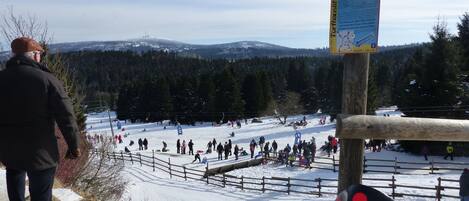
(292, 23)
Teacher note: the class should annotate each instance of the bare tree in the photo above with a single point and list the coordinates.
(14, 26)
(290, 105)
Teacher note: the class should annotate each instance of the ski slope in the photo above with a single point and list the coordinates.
(147, 185)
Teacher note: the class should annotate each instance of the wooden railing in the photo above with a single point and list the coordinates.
(317, 187)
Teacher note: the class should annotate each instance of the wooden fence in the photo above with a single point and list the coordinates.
(317, 187)
(395, 166)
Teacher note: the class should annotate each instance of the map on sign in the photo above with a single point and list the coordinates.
(354, 26)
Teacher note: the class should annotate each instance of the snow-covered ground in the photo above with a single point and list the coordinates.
(147, 185)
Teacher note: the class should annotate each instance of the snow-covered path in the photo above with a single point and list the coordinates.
(147, 185)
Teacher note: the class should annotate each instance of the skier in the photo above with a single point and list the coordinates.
(236, 152)
(214, 143)
(126, 150)
(220, 151)
(306, 157)
(145, 143)
(300, 147)
(312, 147)
(178, 146)
(252, 147)
(183, 147)
(196, 157)
(229, 145)
(140, 144)
(449, 151)
(191, 147)
(226, 148)
(464, 185)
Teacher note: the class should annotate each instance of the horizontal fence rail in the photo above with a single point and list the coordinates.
(317, 187)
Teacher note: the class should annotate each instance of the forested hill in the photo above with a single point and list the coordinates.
(103, 73)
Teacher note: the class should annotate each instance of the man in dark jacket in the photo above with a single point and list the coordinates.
(32, 101)
(140, 144)
(236, 152)
(178, 146)
(145, 143)
(220, 151)
(191, 147)
(464, 185)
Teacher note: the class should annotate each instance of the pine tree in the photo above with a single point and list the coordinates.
(463, 39)
(266, 89)
(207, 98)
(228, 96)
(252, 95)
(123, 103)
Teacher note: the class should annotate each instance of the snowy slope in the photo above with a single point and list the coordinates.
(147, 185)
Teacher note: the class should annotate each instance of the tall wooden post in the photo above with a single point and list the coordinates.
(354, 95)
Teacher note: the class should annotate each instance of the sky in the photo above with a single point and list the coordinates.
(291, 23)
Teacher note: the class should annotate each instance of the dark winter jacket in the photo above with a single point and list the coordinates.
(464, 183)
(220, 148)
(32, 100)
(190, 144)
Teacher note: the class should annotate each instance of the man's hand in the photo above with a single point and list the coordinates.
(73, 154)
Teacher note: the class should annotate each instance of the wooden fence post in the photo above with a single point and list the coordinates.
(206, 173)
(288, 185)
(153, 157)
(131, 159)
(438, 189)
(242, 182)
(319, 186)
(263, 184)
(431, 168)
(364, 164)
(354, 96)
(140, 157)
(122, 155)
(333, 163)
(393, 187)
(224, 180)
(115, 158)
(185, 174)
(395, 165)
(169, 167)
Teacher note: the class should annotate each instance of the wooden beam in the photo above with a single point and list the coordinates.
(354, 95)
(402, 128)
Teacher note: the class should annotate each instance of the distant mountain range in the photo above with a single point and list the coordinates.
(235, 50)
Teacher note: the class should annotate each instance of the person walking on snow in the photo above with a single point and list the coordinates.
(334, 144)
(266, 150)
(226, 148)
(214, 143)
(425, 152)
(209, 147)
(464, 185)
(229, 146)
(33, 101)
(220, 151)
(449, 151)
(191, 147)
(274, 146)
(252, 147)
(145, 143)
(236, 152)
(183, 147)
(140, 144)
(178, 146)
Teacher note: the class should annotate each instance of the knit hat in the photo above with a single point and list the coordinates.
(24, 44)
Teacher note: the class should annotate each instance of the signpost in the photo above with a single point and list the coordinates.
(354, 26)
(353, 32)
(297, 137)
(179, 128)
